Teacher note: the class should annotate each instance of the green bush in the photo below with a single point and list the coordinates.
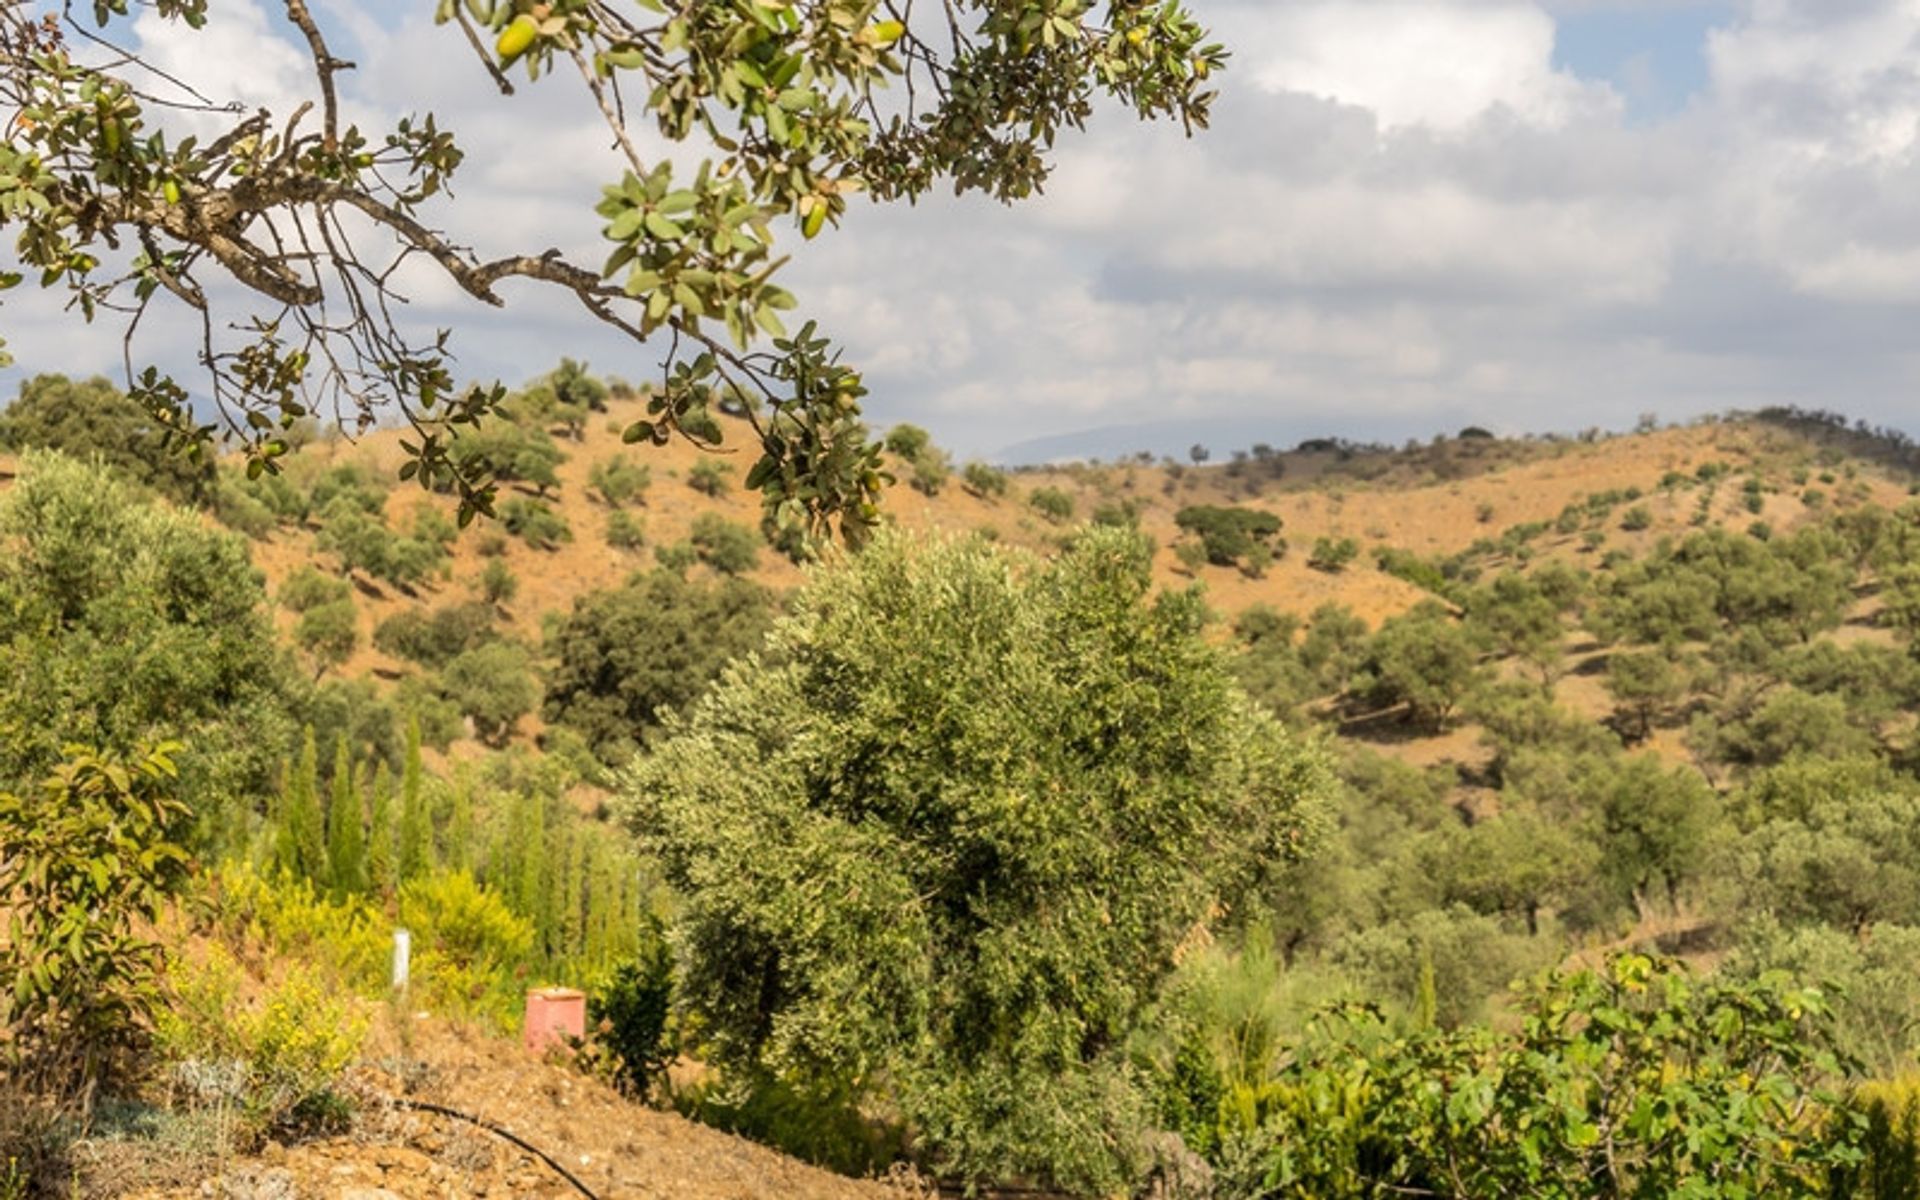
(708, 476)
(566, 396)
(241, 510)
(358, 710)
(1636, 1079)
(420, 698)
(276, 1056)
(727, 546)
(931, 470)
(498, 583)
(347, 937)
(348, 487)
(306, 589)
(1004, 791)
(509, 453)
(1228, 534)
(627, 1012)
(908, 441)
(1051, 503)
(328, 634)
(1637, 518)
(984, 481)
(122, 622)
(1333, 554)
(433, 639)
(619, 479)
(676, 557)
(535, 523)
(86, 868)
(491, 684)
(624, 531)
(362, 542)
(467, 943)
(1423, 659)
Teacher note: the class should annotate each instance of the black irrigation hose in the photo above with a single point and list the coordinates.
(543, 1156)
(498, 1131)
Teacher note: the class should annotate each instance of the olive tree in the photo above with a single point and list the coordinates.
(941, 839)
(282, 231)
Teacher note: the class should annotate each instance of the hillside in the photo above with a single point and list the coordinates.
(1436, 500)
(1563, 685)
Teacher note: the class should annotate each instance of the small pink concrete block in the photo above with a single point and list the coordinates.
(553, 1015)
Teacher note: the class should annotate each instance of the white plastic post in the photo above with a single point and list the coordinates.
(402, 951)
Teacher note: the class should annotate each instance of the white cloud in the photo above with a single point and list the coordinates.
(1404, 219)
(1409, 62)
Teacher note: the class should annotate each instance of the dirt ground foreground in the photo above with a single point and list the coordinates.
(618, 1149)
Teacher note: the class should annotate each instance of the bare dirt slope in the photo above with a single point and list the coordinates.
(618, 1149)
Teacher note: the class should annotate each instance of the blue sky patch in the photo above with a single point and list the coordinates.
(1654, 57)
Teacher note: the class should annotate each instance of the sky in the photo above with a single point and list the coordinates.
(1409, 216)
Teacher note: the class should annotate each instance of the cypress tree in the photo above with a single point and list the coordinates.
(285, 857)
(346, 837)
(1426, 998)
(380, 834)
(460, 825)
(623, 938)
(416, 817)
(306, 830)
(530, 852)
(574, 930)
(598, 878)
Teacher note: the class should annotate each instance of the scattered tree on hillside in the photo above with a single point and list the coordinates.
(625, 658)
(328, 634)
(498, 583)
(619, 479)
(708, 476)
(1520, 620)
(1645, 685)
(1333, 554)
(1850, 860)
(568, 395)
(984, 481)
(437, 637)
(908, 441)
(92, 418)
(535, 523)
(492, 685)
(1656, 826)
(1052, 503)
(1424, 659)
(502, 452)
(931, 470)
(1230, 535)
(727, 546)
(625, 531)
